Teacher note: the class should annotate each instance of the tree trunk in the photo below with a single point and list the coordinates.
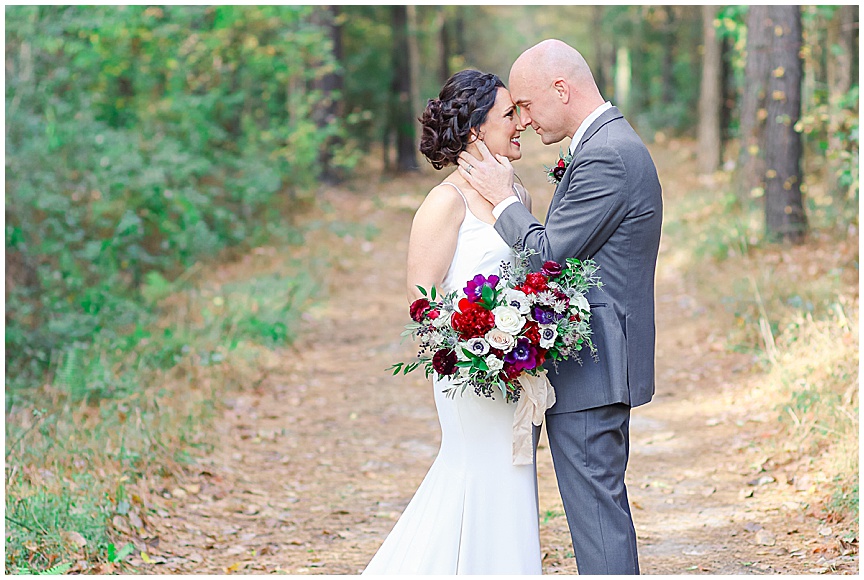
(841, 50)
(668, 64)
(599, 45)
(784, 206)
(751, 166)
(623, 76)
(414, 60)
(330, 108)
(710, 94)
(730, 91)
(400, 91)
(443, 47)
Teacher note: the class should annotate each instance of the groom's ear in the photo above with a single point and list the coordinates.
(562, 89)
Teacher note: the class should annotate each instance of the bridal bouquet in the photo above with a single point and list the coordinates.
(500, 329)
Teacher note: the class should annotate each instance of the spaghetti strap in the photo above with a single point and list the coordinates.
(459, 191)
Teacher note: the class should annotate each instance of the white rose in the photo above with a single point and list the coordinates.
(477, 346)
(518, 300)
(581, 303)
(508, 319)
(500, 340)
(548, 334)
(494, 363)
(442, 320)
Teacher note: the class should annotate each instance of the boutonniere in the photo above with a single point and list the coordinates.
(556, 172)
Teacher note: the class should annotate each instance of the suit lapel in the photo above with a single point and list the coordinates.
(562, 186)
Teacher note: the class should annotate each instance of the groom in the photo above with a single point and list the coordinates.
(608, 207)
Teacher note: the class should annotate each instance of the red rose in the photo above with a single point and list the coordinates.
(433, 314)
(472, 320)
(418, 309)
(560, 163)
(535, 282)
(444, 362)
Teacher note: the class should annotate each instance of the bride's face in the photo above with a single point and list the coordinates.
(502, 128)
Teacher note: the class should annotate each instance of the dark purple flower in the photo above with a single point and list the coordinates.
(558, 173)
(474, 288)
(543, 315)
(523, 356)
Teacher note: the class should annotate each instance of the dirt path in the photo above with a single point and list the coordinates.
(316, 462)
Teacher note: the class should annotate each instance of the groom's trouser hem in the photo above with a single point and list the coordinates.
(590, 450)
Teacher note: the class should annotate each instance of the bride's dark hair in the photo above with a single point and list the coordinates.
(462, 105)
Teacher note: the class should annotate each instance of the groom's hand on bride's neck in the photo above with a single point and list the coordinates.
(491, 175)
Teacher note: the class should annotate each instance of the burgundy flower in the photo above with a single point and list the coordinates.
(418, 309)
(444, 362)
(551, 269)
(558, 172)
(474, 287)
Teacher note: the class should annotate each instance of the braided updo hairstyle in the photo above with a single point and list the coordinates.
(463, 104)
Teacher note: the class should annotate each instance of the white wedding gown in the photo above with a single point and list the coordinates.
(475, 512)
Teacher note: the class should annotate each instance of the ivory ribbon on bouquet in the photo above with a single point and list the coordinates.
(537, 396)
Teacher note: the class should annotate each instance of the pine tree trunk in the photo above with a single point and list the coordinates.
(751, 166)
(730, 91)
(841, 50)
(668, 63)
(414, 60)
(623, 80)
(443, 47)
(599, 61)
(710, 94)
(784, 207)
(400, 91)
(330, 109)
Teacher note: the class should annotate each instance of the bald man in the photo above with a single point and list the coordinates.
(607, 206)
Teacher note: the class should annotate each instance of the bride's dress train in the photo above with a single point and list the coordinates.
(475, 512)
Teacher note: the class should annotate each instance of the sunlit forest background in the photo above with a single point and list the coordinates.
(146, 144)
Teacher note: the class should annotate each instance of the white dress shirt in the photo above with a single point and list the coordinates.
(574, 142)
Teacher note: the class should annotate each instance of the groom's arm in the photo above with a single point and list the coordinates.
(593, 206)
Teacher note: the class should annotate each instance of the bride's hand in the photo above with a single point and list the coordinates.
(491, 176)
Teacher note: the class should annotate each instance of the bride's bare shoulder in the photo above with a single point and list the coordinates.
(445, 194)
(442, 204)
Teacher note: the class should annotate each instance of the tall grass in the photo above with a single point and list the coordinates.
(111, 413)
(795, 309)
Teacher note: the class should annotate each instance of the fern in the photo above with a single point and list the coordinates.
(57, 570)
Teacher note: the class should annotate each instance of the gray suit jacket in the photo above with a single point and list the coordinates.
(607, 207)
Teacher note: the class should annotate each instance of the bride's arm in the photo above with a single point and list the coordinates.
(433, 239)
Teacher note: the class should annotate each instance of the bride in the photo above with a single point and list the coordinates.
(475, 512)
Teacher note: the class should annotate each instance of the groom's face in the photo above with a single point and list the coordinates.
(539, 106)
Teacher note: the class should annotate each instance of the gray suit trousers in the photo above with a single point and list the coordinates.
(590, 449)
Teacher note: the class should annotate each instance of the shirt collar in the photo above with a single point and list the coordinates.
(580, 132)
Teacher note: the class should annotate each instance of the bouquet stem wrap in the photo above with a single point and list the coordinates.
(537, 396)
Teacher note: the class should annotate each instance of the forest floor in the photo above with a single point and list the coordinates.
(315, 462)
